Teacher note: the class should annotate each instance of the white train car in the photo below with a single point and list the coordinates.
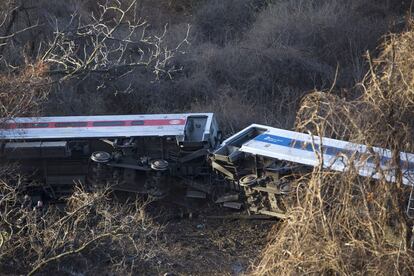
(129, 152)
(248, 158)
(114, 126)
(336, 155)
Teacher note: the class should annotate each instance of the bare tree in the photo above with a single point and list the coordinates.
(112, 41)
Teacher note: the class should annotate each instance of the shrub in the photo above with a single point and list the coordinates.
(343, 224)
(223, 21)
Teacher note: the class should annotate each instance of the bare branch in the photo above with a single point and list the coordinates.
(109, 46)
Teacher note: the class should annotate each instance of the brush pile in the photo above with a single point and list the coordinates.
(342, 223)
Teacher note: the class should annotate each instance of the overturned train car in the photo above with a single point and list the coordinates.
(182, 154)
(256, 157)
(151, 154)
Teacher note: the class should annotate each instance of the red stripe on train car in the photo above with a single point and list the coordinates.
(91, 124)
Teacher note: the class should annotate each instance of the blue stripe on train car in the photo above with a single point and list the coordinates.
(273, 139)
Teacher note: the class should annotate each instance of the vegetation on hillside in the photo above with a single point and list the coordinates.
(310, 65)
(173, 56)
(342, 223)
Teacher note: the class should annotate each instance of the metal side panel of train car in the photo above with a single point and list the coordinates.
(254, 159)
(335, 154)
(307, 149)
(128, 152)
(98, 126)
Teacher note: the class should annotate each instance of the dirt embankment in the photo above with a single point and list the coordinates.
(214, 246)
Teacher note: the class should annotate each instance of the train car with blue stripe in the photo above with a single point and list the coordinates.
(254, 158)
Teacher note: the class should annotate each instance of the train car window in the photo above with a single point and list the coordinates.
(71, 124)
(194, 128)
(109, 123)
(6, 126)
(32, 125)
(137, 123)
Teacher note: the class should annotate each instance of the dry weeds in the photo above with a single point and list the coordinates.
(338, 224)
(92, 233)
(342, 223)
(22, 93)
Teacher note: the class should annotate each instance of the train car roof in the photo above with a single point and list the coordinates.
(105, 126)
(306, 149)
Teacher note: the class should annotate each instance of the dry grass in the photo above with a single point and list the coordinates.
(342, 223)
(254, 69)
(23, 93)
(93, 233)
(266, 54)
